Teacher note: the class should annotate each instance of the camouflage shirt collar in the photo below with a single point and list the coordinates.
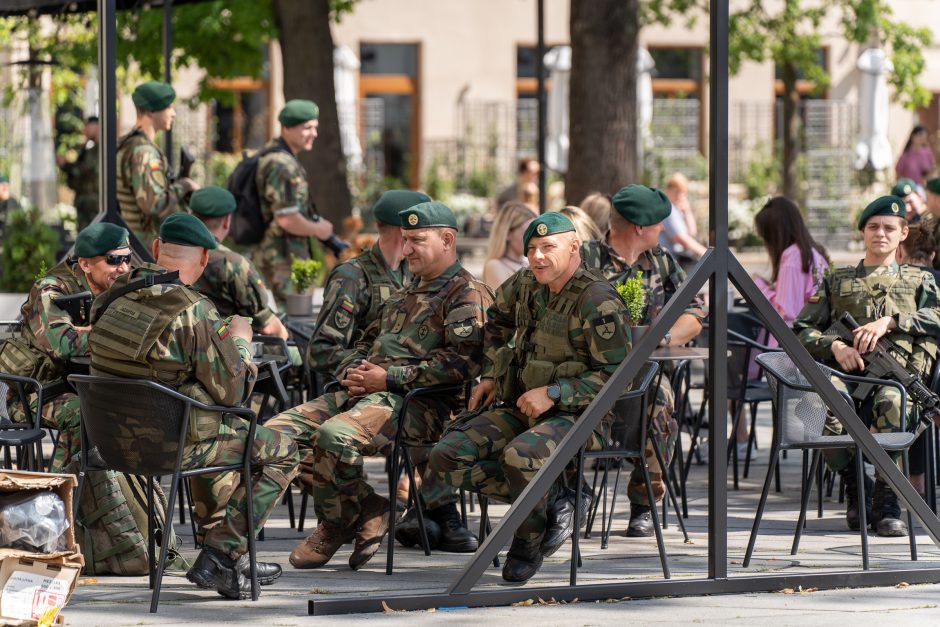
(439, 282)
(643, 262)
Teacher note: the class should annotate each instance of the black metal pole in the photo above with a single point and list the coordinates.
(540, 97)
(167, 69)
(718, 291)
(107, 120)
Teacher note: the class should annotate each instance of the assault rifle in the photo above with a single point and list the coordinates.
(78, 307)
(882, 364)
(187, 159)
(332, 242)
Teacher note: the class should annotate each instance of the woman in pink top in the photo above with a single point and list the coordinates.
(916, 161)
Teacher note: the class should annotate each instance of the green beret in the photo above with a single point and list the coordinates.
(153, 96)
(884, 206)
(99, 238)
(548, 223)
(428, 215)
(186, 230)
(903, 187)
(212, 202)
(641, 205)
(4, 178)
(297, 112)
(933, 185)
(393, 202)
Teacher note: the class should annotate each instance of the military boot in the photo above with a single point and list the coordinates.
(370, 529)
(268, 572)
(320, 546)
(886, 512)
(214, 570)
(851, 497)
(560, 514)
(523, 560)
(641, 521)
(455, 538)
(407, 530)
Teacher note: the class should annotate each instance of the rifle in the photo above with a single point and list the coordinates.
(882, 364)
(187, 159)
(78, 307)
(334, 243)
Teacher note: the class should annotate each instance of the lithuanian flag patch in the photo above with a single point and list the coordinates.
(223, 331)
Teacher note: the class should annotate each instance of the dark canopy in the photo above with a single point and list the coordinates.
(52, 7)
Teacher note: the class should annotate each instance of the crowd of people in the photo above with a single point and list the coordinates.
(542, 332)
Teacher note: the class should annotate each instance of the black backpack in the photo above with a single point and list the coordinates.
(248, 225)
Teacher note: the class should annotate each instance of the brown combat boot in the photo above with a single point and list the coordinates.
(319, 547)
(370, 529)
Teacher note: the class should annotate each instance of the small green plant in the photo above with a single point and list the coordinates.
(29, 245)
(634, 296)
(303, 273)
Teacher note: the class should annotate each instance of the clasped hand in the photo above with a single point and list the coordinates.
(365, 378)
(865, 339)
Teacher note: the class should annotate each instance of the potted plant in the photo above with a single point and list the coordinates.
(303, 273)
(633, 294)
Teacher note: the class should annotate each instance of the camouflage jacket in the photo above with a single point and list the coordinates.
(662, 276)
(144, 192)
(575, 338)
(355, 292)
(429, 333)
(282, 189)
(47, 327)
(187, 346)
(235, 286)
(907, 293)
(81, 175)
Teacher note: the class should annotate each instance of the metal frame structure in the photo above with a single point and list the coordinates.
(717, 266)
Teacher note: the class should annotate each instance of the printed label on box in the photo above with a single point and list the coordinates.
(27, 595)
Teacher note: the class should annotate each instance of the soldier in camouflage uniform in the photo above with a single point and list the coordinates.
(571, 332)
(50, 338)
(428, 334)
(145, 193)
(202, 356)
(932, 214)
(631, 248)
(285, 198)
(230, 280)
(81, 176)
(897, 302)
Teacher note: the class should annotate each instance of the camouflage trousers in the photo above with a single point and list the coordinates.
(664, 429)
(275, 268)
(219, 502)
(881, 412)
(64, 415)
(497, 453)
(342, 431)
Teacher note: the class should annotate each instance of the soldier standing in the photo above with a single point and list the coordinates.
(230, 280)
(50, 338)
(285, 198)
(81, 175)
(631, 248)
(145, 193)
(906, 190)
(427, 334)
(933, 214)
(202, 356)
(572, 333)
(897, 302)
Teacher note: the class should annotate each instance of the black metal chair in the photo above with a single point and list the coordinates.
(626, 440)
(799, 415)
(157, 417)
(24, 438)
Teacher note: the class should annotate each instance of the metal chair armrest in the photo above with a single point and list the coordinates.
(852, 378)
(652, 368)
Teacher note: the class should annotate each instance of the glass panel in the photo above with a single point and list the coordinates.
(389, 59)
(396, 135)
(677, 63)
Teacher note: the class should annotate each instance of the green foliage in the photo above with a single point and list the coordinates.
(303, 273)
(220, 167)
(634, 296)
(436, 182)
(762, 175)
(29, 247)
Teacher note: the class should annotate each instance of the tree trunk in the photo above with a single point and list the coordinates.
(602, 102)
(791, 132)
(307, 52)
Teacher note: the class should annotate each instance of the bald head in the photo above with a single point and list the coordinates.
(189, 261)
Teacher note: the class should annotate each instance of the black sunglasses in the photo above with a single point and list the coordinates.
(116, 260)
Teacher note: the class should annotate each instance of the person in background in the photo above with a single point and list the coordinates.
(932, 187)
(530, 196)
(528, 172)
(505, 254)
(598, 206)
(906, 190)
(584, 226)
(7, 204)
(679, 229)
(916, 161)
(81, 175)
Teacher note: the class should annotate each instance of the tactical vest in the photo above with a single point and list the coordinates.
(852, 293)
(380, 285)
(137, 221)
(543, 349)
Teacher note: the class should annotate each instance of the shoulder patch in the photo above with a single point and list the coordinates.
(222, 331)
(814, 299)
(605, 326)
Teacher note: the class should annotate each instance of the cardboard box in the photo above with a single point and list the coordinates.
(33, 582)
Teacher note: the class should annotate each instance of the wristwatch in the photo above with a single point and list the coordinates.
(666, 339)
(554, 392)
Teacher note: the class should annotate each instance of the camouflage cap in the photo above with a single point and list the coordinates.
(297, 112)
(549, 223)
(212, 202)
(427, 215)
(884, 206)
(186, 230)
(393, 202)
(903, 187)
(641, 205)
(153, 96)
(933, 185)
(100, 238)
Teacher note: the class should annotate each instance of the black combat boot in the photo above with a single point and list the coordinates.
(641, 521)
(523, 560)
(408, 532)
(851, 497)
(214, 570)
(886, 514)
(455, 538)
(268, 572)
(560, 523)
